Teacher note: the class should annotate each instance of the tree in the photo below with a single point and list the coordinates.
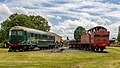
(2, 35)
(36, 22)
(118, 37)
(78, 33)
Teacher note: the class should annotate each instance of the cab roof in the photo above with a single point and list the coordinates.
(31, 30)
(97, 27)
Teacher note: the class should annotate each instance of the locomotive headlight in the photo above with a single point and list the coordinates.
(103, 44)
(19, 44)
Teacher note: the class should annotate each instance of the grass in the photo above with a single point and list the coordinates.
(38, 59)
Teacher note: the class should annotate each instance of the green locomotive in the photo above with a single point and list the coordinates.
(23, 38)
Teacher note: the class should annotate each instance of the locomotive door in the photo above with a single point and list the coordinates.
(25, 35)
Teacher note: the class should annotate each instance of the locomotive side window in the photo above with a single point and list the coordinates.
(19, 32)
(49, 37)
(36, 35)
(44, 36)
(39, 36)
(25, 33)
(31, 34)
(13, 33)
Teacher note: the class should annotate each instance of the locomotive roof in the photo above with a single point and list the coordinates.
(31, 30)
(97, 27)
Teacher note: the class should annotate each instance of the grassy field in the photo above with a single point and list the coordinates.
(38, 59)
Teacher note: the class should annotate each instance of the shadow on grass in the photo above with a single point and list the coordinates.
(101, 51)
(69, 50)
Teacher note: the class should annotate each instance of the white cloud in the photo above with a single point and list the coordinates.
(20, 3)
(20, 10)
(66, 29)
(4, 12)
(6, 1)
(52, 16)
(113, 28)
(58, 17)
(115, 14)
(89, 12)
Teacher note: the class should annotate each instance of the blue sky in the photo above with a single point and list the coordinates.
(65, 16)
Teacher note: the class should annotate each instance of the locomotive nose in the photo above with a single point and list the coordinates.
(16, 39)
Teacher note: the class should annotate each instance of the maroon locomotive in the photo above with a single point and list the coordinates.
(96, 38)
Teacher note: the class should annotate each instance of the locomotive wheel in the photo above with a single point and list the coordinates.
(89, 47)
(79, 47)
(21, 50)
(82, 47)
(31, 48)
(101, 49)
(49, 47)
(25, 48)
(93, 48)
(86, 48)
(10, 49)
(40, 48)
(53, 46)
(97, 49)
(14, 50)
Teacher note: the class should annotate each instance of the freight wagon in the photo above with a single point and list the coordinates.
(95, 39)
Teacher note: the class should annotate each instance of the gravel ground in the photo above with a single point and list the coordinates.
(65, 50)
(58, 50)
(68, 50)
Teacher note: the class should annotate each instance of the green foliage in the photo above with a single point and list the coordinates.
(2, 38)
(1, 45)
(2, 35)
(36, 22)
(78, 33)
(118, 37)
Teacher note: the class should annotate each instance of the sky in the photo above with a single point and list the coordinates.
(64, 16)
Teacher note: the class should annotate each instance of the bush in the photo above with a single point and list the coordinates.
(1, 45)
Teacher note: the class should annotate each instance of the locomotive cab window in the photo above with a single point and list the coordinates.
(13, 33)
(19, 32)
